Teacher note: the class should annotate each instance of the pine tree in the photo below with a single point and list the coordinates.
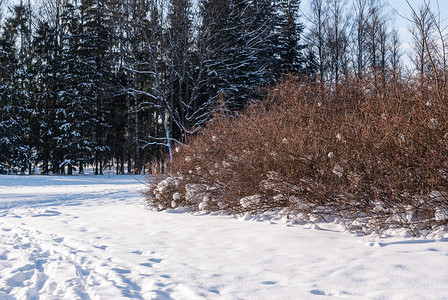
(47, 68)
(95, 52)
(119, 134)
(87, 74)
(73, 111)
(8, 107)
(17, 110)
(237, 34)
(179, 43)
(289, 48)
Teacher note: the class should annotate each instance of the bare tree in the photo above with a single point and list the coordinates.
(422, 31)
(395, 54)
(437, 50)
(337, 38)
(359, 35)
(317, 35)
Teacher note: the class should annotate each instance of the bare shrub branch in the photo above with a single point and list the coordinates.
(375, 159)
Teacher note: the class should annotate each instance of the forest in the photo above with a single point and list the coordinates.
(120, 83)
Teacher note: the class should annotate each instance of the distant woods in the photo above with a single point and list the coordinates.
(119, 82)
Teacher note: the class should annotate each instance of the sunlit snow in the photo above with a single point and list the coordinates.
(91, 237)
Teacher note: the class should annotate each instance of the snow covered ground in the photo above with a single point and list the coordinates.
(91, 237)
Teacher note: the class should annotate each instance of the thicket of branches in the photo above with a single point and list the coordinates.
(371, 153)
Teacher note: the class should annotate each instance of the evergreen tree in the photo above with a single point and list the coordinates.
(17, 107)
(237, 34)
(96, 65)
(73, 109)
(47, 82)
(289, 48)
(8, 106)
(87, 73)
(179, 43)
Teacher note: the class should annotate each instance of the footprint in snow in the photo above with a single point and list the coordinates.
(214, 291)
(58, 240)
(146, 265)
(40, 265)
(25, 268)
(19, 278)
(401, 267)
(6, 296)
(152, 260)
(23, 246)
(318, 292)
(121, 271)
(82, 272)
(143, 252)
(102, 247)
(48, 213)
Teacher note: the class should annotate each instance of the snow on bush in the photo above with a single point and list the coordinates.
(375, 160)
(250, 201)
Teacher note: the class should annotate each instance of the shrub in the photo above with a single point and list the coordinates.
(374, 157)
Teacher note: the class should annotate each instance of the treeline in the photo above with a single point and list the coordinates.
(118, 82)
(96, 82)
(358, 39)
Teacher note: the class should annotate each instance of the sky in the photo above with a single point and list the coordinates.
(403, 25)
(400, 10)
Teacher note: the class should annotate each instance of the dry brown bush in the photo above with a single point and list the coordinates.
(375, 155)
